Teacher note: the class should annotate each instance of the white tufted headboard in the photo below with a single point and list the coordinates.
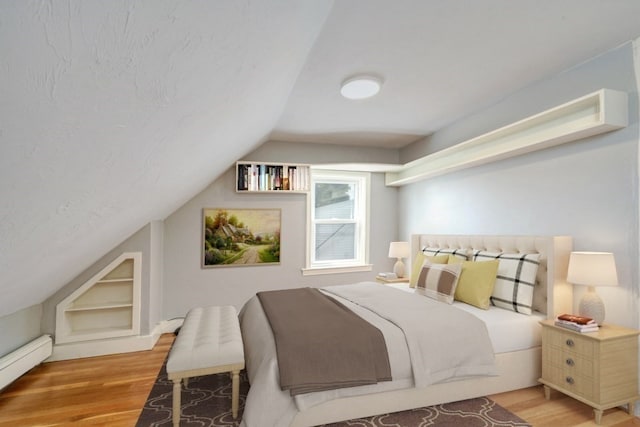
(552, 294)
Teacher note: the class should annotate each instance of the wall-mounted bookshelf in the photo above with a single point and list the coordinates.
(105, 306)
(259, 177)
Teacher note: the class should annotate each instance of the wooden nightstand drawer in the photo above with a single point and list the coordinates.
(571, 363)
(570, 342)
(569, 380)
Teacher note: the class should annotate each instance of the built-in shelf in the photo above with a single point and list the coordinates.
(81, 334)
(593, 114)
(261, 177)
(105, 306)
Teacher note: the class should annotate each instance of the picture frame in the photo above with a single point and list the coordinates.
(240, 237)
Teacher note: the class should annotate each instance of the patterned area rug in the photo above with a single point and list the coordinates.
(206, 401)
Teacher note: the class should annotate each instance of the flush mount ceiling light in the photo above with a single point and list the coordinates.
(360, 87)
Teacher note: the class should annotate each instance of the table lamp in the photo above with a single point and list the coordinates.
(399, 250)
(592, 269)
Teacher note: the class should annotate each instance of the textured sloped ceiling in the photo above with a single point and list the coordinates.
(115, 113)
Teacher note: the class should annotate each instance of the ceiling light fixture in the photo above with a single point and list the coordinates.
(360, 87)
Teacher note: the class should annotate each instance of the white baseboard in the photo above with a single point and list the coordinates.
(170, 326)
(21, 360)
(77, 350)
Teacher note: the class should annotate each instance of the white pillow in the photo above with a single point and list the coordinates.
(515, 280)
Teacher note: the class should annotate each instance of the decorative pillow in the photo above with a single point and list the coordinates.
(476, 283)
(418, 260)
(438, 281)
(515, 280)
(458, 253)
(452, 259)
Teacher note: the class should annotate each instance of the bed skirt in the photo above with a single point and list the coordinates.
(518, 369)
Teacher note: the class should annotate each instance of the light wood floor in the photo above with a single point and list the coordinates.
(111, 390)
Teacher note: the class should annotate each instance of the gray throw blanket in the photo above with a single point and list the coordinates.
(321, 344)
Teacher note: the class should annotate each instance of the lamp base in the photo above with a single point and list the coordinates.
(398, 268)
(591, 305)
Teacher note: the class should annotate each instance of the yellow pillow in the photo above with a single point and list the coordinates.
(452, 259)
(476, 282)
(418, 260)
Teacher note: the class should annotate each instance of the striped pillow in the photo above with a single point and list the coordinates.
(515, 280)
(438, 281)
(419, 259)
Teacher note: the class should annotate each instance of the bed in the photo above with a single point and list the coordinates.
(517, 362)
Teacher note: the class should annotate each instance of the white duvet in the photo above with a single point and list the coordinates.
(427, 341)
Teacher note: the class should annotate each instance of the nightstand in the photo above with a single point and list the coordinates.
(387, 281)
(597, 368)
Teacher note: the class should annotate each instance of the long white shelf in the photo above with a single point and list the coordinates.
(593, 114)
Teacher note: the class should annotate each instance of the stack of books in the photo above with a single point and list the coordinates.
(576, 323)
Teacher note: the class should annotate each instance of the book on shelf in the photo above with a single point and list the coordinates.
(394, 280)
(574, 318)
(387, 275)
(576, 323)
(266, 177)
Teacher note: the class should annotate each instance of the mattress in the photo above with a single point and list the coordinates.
(508, 330)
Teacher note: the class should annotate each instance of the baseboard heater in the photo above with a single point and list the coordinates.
(19, 361)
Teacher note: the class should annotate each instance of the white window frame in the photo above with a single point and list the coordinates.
(362, 180)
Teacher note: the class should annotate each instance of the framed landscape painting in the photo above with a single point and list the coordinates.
(240, 237)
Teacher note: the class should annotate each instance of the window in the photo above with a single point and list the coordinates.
(338, 214)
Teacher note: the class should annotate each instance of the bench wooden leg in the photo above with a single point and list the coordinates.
(177, 391)
(235, 392)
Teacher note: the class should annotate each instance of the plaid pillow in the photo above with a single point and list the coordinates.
(458, 253)
(438, 281)
(515, 280)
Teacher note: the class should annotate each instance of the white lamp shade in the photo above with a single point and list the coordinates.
(399, 250)
(592, 269)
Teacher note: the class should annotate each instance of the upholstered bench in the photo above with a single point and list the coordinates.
(209, 342)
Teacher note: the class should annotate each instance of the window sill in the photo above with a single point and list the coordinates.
(315, 271)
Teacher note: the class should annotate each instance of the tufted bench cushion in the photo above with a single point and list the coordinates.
(209, 342)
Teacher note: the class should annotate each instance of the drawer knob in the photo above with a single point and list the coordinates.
(570, 342)
(569, 380)
(570, 362)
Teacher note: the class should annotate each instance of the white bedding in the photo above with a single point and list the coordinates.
(266, 404)
(508, 330)
(462, 343)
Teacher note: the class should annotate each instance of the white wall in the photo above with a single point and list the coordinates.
(19, 328)
(172, 278)
(153, 315)
(187, 285)
(586, 189)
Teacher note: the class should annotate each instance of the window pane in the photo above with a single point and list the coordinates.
(335, 242)
(334, 201)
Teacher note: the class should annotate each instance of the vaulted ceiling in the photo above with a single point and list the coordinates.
(115, 113)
